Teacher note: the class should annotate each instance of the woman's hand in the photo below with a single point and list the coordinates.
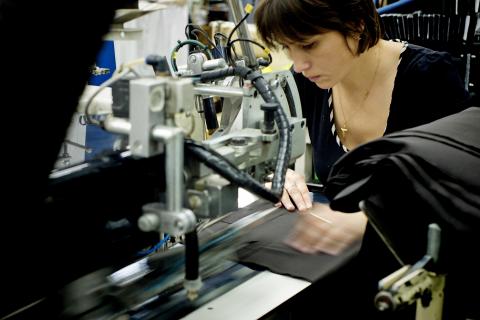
(321, 229)
(295, 193)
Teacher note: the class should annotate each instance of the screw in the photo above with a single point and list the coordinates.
(194, 201)
(239, 141)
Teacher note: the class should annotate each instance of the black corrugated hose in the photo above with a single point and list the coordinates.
(285, 139)
(226, 169)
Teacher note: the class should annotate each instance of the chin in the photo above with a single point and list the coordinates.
(324, 84)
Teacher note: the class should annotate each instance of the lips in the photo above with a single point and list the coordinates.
(313, 78)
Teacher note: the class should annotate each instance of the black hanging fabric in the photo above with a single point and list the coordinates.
(409, 179)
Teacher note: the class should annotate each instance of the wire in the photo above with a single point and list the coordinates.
(120, 72)
(173, 56)
(285, 139)
(197, 29)
(229, 171)
(194, 27)
(107, 83)
(236, 27)
(219, 34)
(255, 43)
(208, 40)
(155, 247)
(230, 59)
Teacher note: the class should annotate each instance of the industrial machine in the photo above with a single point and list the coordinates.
(135, 213)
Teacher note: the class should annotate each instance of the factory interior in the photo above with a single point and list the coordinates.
(240, 159)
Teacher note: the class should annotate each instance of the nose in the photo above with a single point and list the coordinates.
(301, 62)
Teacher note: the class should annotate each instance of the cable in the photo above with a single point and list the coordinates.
(173, 56)
(208, 40)
(285, 138)
(119, 73)
(229, 171)
(219, 34)
(236, 27)
(155, 247)
(248, 9)
(197, 28)
(266, 50)
(194, 27)
(107, 83)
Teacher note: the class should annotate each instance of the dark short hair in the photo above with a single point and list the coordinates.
(297, 20)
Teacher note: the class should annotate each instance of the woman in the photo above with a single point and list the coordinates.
(354, 87)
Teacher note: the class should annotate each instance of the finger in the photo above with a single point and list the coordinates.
(286, 201)
(302, 187)
(297, 198)
(299, 186)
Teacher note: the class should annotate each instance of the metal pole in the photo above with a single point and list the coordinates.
(226, 92)
(173, 139)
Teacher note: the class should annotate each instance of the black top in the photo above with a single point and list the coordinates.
(427, 87)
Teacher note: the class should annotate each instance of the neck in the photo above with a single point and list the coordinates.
(362, 71)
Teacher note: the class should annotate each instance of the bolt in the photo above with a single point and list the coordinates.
(148, 222)
(274, 83)
(179, 225)
(192, 295)
(194, 201)
(238, 141)
(383, 306)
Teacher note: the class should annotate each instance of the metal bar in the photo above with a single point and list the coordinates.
(117, 125)
(173, 139)
(218, 91)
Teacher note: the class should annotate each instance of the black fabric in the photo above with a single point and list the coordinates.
(262, 247)
(343, 286)
(427, 87)
(415, 177)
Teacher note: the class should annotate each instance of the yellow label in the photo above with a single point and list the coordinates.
(248, 8)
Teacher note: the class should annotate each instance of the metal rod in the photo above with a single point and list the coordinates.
(78, 145)
(173, 140)
(218, 91)
(117, 125)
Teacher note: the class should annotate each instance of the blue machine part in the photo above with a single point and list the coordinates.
(105, 60)
(98, 139)
(393, 7)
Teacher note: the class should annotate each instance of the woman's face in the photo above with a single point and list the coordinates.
(324, 59)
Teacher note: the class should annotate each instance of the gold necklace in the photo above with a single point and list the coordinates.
(344, 128)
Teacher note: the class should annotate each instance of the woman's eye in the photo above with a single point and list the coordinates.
(309, 46)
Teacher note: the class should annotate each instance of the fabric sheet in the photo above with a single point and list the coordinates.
(263, 247)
